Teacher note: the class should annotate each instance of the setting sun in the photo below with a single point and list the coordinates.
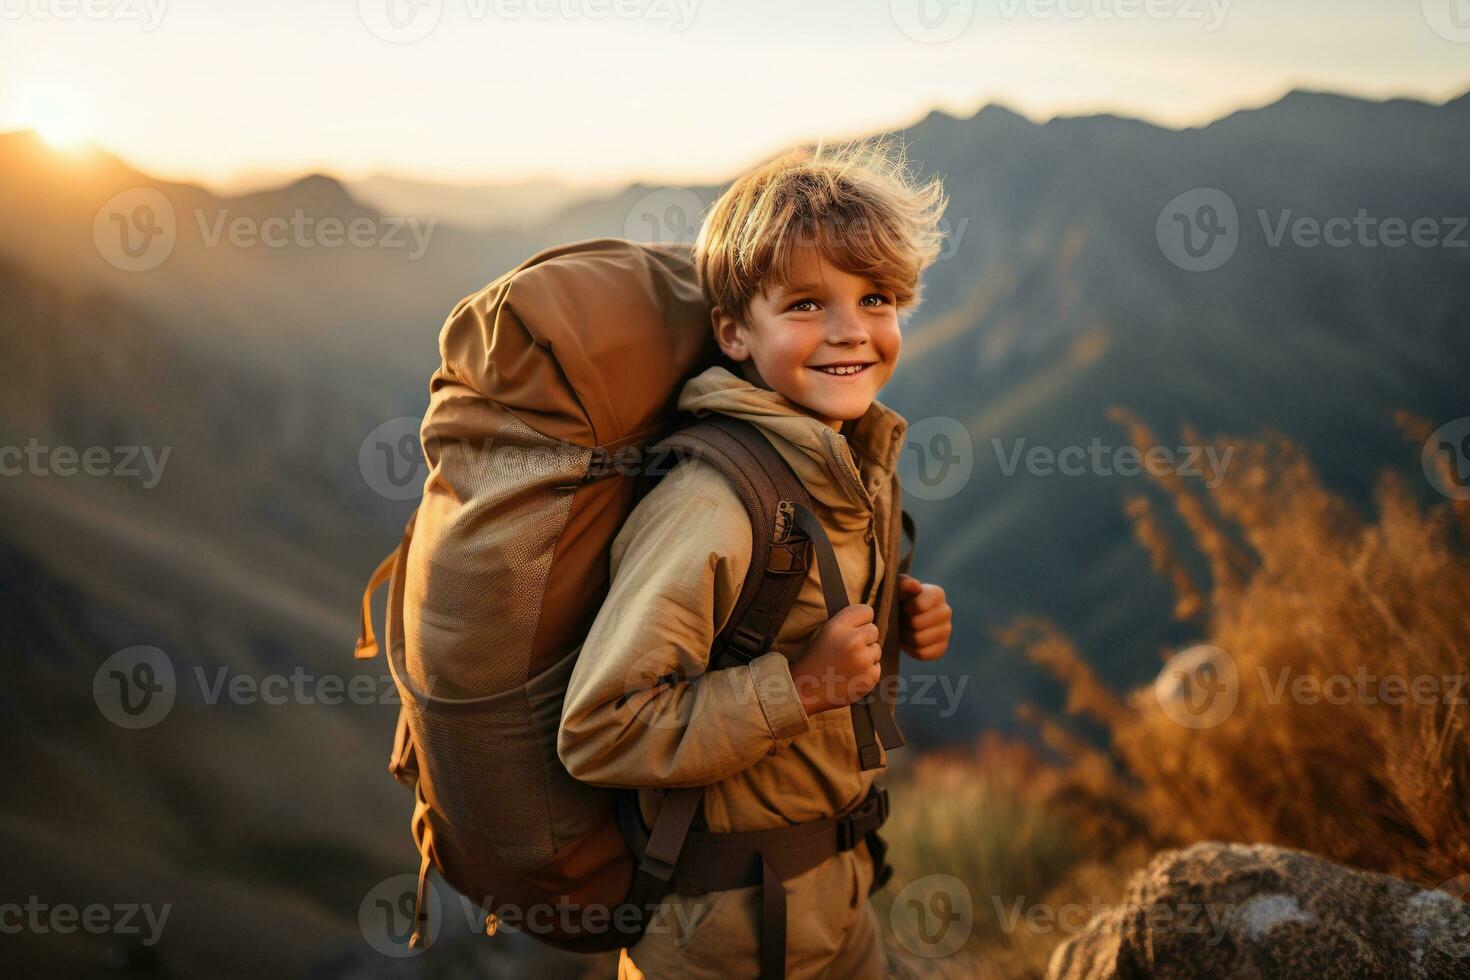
(61, 126)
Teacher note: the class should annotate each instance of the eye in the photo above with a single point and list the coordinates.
(878, 296)
(793, 306)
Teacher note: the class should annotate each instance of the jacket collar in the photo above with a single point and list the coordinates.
(844, 473)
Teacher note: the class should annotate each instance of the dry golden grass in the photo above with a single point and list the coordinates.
(1306, 596)
(979, 824)
(1300, 585)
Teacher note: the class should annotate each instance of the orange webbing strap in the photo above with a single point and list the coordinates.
(422, 934)
(367, 642)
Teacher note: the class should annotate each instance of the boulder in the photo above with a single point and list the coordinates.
(1252, 912)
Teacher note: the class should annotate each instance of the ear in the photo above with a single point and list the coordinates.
(729, 334)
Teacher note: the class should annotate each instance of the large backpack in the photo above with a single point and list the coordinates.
(553, 410)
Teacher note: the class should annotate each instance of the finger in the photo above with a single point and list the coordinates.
(856, 615)
(916, 604)
(932, 617)
(931, 597)
(934, 634)
(908, 585)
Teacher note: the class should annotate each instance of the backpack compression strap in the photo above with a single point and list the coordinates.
(775, 498)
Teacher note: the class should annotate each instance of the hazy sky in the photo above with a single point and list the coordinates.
(674, 90)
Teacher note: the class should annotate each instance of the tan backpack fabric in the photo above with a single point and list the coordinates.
(551, 412)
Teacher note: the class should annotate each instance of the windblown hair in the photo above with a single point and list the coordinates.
(855, 202)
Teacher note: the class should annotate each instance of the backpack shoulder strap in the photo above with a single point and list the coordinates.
(771, 493)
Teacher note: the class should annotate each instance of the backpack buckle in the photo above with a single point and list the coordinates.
(862, 820)
(745, 643)
(787, 558)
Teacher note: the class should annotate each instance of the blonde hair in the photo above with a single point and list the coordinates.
(855, 202)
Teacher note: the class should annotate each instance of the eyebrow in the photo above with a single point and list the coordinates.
(800, 287)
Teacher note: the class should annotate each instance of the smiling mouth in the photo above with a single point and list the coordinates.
(842, 370)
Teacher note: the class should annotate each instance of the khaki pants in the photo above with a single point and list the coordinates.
(831, 930)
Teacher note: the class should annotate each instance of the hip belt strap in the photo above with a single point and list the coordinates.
(711, 862)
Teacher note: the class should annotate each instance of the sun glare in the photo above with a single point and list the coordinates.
(60, 126)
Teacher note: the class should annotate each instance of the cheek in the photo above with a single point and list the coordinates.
(888, 339)
(789, 351)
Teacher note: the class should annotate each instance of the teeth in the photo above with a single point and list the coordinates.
(850, 369)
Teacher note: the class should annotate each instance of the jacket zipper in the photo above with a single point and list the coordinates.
(848, 473)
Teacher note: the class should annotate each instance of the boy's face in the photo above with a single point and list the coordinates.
(827, 342)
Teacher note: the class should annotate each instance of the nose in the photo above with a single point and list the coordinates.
(845, 328)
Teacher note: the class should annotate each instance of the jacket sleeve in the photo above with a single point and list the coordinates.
(641, 710)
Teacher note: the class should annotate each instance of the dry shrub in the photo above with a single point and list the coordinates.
(1367, 771)
(980, 814)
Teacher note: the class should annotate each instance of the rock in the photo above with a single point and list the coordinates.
(1252, 912)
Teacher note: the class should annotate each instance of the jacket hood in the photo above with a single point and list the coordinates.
(844, 473)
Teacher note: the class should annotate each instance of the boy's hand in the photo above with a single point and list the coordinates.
(926, 618)
(842, 663)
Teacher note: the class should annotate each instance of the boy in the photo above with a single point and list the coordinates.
(807, 262)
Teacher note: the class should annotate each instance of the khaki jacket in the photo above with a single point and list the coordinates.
(677, 568)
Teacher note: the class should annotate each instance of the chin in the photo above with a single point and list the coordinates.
(846, 412)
